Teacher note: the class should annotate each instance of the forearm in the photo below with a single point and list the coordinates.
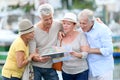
(79, 55)
(94, 51)
(23, 63)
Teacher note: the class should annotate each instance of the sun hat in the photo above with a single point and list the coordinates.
(25, 26)
(70, 17)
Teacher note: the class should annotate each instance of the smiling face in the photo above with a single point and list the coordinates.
(68, 26)
(85, 24)
(30, 35)
(86, 19)
(47, 20)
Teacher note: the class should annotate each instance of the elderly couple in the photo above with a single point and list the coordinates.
(92, 48)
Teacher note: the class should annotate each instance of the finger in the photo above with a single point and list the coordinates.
(63, 34)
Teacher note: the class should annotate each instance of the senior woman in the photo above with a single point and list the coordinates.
(76, 68)
(18, 55)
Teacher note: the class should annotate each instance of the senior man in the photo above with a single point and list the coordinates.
(100, 57)
(46, 33)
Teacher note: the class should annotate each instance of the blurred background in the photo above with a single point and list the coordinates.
(12, 11)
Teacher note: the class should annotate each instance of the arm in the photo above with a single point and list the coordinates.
(34, 50)
(61, 33)
(84, 47)
(95, 51)
(40, 58)
(83, 54)
(21, 60)
(105, 43)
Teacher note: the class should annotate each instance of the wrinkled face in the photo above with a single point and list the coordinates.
(68, 26)
(47, 20)
(30, 35)
(84, 24)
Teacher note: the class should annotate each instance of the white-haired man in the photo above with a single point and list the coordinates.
(100, 57)
(46, 33)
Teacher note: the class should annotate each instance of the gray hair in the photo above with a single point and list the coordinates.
(45, 10)
(86, 13)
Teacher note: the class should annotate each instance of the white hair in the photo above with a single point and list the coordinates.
(86, 13)
(45, 10)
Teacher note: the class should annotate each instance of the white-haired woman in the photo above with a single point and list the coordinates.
(76, 68)
(18, 55)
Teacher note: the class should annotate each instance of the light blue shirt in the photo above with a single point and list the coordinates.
(100, 36)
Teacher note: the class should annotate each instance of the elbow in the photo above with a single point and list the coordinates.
(85, 49)
(107, 52)
(19, 66)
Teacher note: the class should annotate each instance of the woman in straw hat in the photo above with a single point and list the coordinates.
(18, 55)
(76, 68)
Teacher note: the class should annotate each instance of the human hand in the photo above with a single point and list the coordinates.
(76, 54)
(36, 57)
(61, 34)
(99, 20)
(44, 59)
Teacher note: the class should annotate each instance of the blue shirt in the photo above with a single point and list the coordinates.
(100, 36)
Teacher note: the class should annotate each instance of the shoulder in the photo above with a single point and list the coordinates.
(37, 28)
(103, 29)
(18, 44)
(80, 32)
(101, 26)
(57, 25)
(57, 22)
(18, 41)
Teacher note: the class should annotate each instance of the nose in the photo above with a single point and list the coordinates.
(49, 21)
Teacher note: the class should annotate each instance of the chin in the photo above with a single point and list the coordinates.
(31, 38)
(48, 26)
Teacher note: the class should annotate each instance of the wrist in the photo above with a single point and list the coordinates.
(29, 59)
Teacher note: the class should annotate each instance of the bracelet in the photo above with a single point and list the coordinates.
(29, 59)
(84, 54)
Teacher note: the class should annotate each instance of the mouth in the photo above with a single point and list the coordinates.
(48, 25)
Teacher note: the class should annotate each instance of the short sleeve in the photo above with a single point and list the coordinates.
(82, 39)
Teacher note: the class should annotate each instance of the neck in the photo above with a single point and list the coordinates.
(69, 34)
(44, 28)
(92, 23)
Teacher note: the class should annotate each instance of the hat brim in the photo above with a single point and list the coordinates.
(69, 20)
(28, 31)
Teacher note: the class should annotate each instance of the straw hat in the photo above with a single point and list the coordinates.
(70, 17)
(25, 26)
